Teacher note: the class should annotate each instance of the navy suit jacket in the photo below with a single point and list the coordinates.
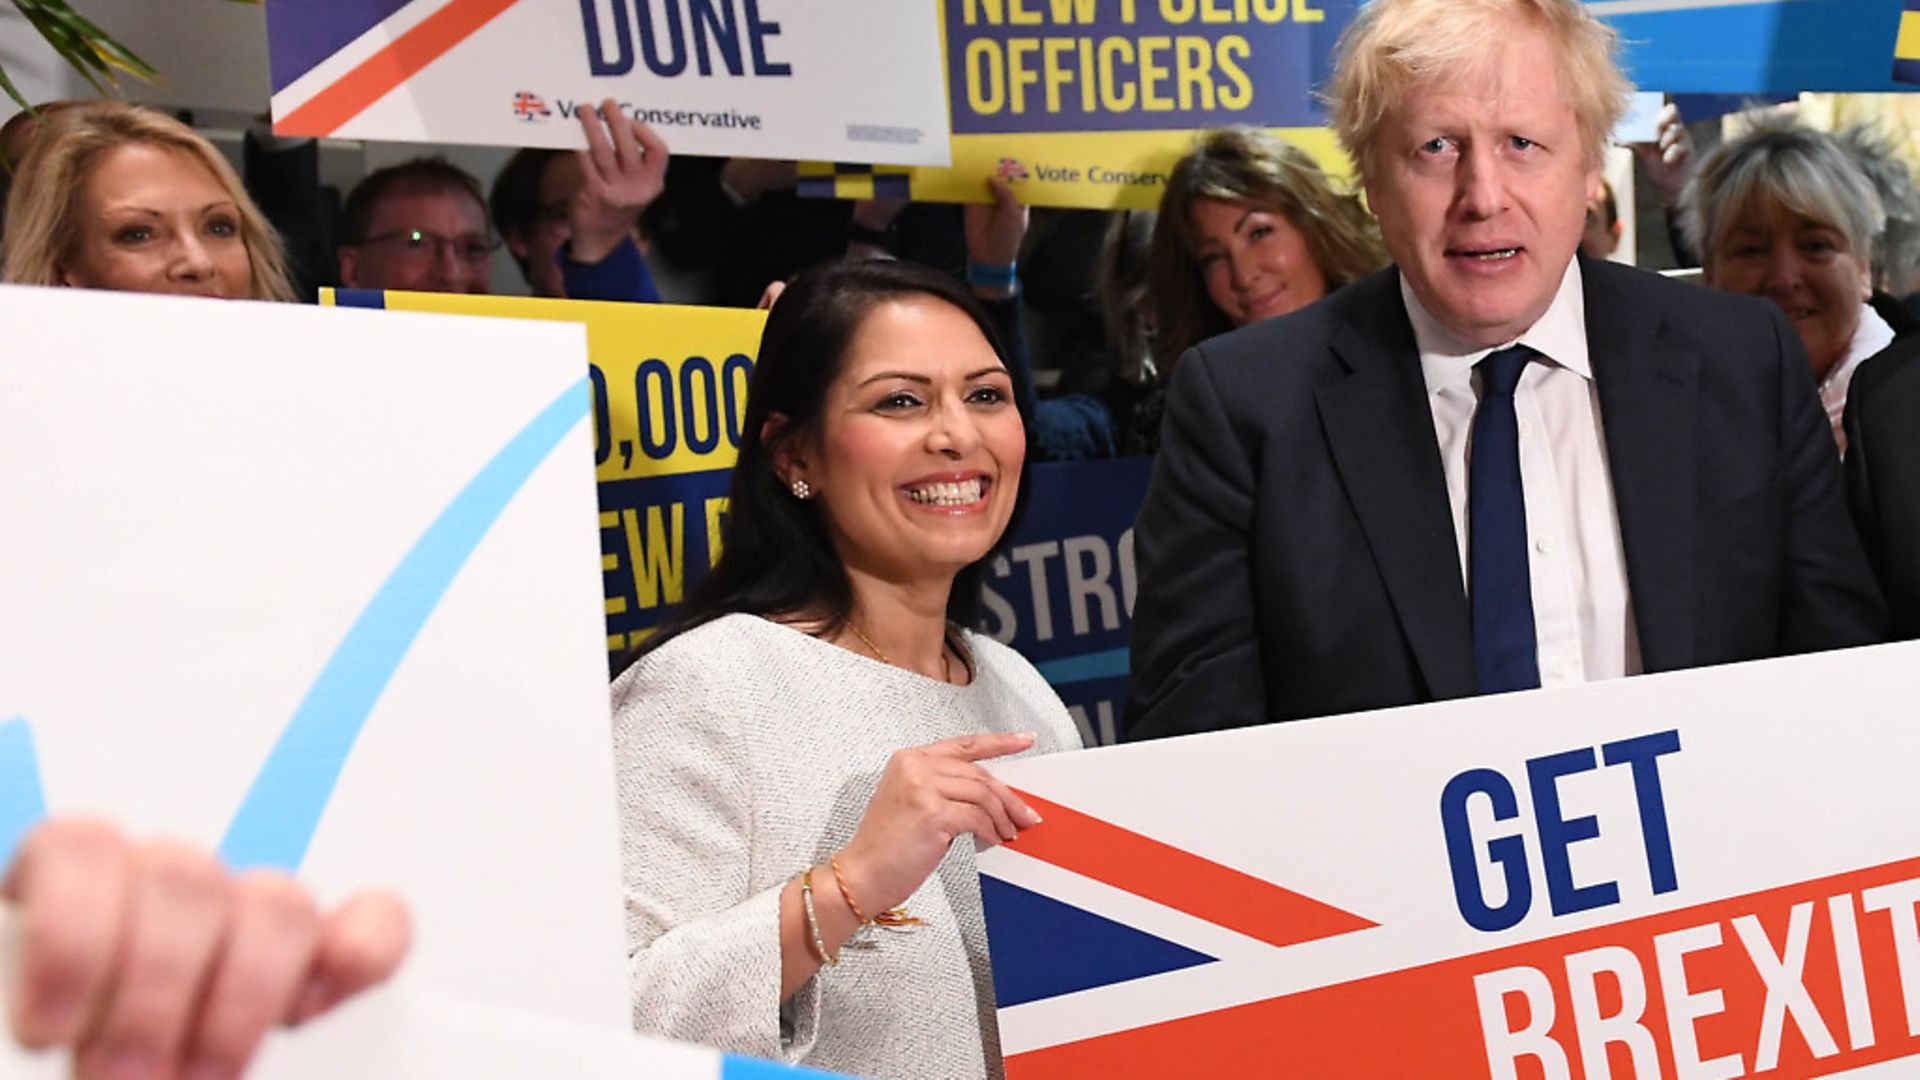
(1883, 473)
(1296, 547)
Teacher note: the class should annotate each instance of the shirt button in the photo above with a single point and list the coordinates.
(1526, 429)
(1542, 546)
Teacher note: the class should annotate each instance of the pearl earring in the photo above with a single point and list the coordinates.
(802, 490)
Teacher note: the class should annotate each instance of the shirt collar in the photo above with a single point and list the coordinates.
(1872, 335)
(1560, 335)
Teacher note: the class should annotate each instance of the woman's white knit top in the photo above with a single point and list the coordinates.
(746, 751)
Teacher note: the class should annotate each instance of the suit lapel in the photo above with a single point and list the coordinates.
(1380, 432)
(1648, 386)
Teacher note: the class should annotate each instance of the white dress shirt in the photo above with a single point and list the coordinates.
(1582, 614)
(1872, 335)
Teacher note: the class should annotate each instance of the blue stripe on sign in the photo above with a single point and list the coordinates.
(366, 298)
(22, 803)
(1111, 664)
(745, 1068)
(301, 34)
(276, 820)
(817, 187)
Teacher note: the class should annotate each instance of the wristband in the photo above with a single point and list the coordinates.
(892, 918)
(996, 277)
(846, 894)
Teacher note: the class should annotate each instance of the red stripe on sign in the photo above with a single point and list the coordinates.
(384, 71)
(1179, 879)
(1801, 980)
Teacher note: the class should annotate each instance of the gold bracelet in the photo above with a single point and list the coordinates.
(813, 924)
(892, 918)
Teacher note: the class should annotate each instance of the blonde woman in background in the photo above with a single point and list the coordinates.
(113, 195)
(1787, 213)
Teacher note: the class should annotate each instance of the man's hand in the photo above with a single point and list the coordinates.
(1669, 157)
(150, 959)
(625, 169)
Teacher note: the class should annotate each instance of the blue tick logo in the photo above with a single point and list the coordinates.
(277, 818)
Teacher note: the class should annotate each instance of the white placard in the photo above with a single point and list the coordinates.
(833, 80)
(1642, 121)
(397, 1033)
(1715, 872)
(241, 537)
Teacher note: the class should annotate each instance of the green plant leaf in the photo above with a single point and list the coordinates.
(12, 91)
(94, 53)
(91, 51)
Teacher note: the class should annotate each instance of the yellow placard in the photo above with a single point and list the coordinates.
(670, 381)
(1108, 170)
(670, 394)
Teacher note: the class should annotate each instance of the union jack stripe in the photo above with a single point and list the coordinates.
(529, 107)
(1080, 909)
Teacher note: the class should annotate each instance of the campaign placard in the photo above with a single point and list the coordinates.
(1090, 103)
(669, 387)
(1062, 593)
(254, 596)
(669, 397)
(756, 78)
(395, 1033)
(1705, 873)
(1759, 47)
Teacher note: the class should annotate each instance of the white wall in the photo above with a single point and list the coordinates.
(212, 52)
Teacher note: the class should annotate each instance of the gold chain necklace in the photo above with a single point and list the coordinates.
(946, 670)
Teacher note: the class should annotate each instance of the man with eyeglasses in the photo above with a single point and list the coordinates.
(422, 225)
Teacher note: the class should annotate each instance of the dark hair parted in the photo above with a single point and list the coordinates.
(1249, 167)
(416, 174)
(777, 559)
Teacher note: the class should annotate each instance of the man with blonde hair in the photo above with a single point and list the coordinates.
(1496, 465)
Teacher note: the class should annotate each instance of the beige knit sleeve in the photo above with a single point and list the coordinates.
(703, 944)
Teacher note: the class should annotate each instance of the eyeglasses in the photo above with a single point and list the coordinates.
(473, 249)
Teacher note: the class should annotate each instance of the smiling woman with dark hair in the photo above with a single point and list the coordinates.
(798, 751)
(1249, 228)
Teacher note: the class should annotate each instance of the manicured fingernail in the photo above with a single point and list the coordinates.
(1030, 814)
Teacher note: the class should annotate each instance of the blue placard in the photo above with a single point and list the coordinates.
(1138, 65)
(1062, 593)
(1757, 46)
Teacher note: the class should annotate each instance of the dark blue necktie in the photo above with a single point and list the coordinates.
(1499, 584)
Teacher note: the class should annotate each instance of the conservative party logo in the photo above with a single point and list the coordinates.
(528, 107)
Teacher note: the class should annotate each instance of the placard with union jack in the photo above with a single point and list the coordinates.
(1712, 873)
(850, 80)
